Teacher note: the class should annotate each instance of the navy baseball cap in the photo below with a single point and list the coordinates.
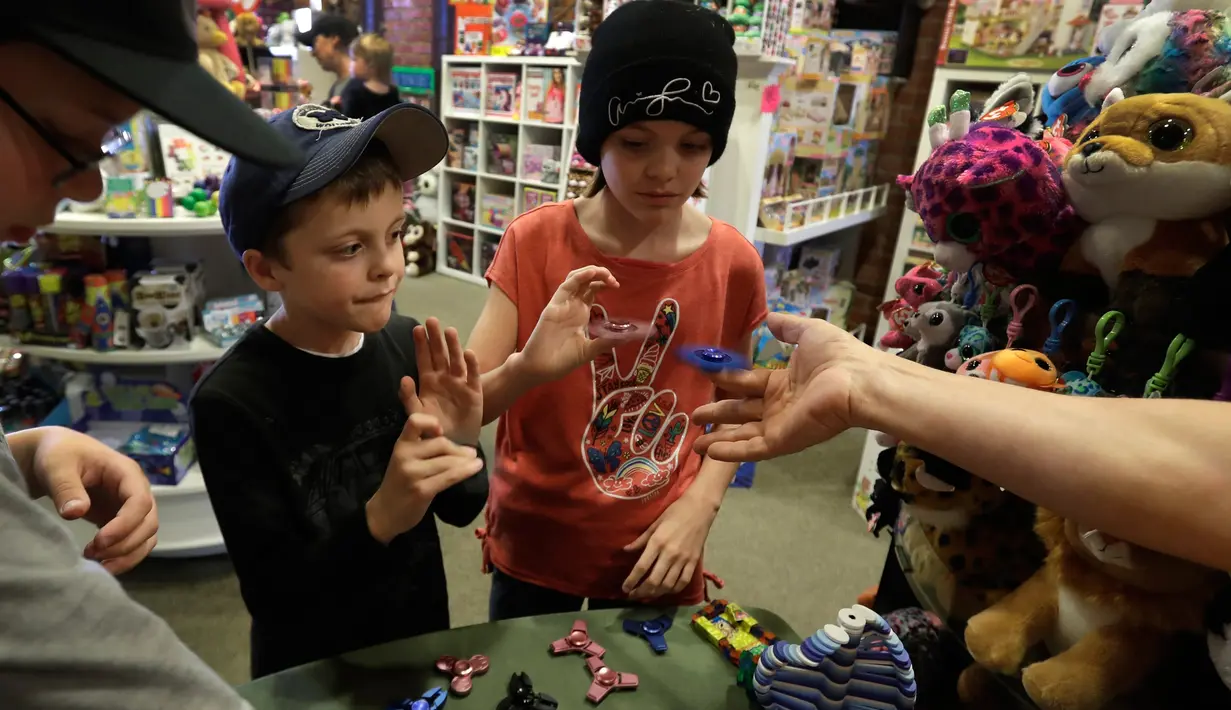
(252, 194)
(329, 25)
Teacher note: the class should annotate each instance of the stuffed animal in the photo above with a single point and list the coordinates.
(1063, 98)
(1016, 366)
(209, 41)
(989, 194)
(971, 341)
(420, 250)
(1104, 608)
(918, 286)
(935, 328)
(247, 29)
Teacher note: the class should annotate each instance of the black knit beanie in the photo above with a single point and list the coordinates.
(658, 60)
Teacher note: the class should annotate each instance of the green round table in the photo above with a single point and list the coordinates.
(691, 674)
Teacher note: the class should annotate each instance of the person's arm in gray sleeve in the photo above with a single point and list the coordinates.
(71, 638)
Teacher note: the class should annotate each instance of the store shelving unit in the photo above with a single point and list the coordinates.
(187, 527)
(829, 215)
(470, 237)
(980, 83)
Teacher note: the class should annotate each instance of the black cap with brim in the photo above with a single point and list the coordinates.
(180, 91)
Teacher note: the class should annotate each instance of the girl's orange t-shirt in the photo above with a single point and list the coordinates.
(587, 463)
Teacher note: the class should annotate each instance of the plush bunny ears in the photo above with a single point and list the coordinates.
(951, 125)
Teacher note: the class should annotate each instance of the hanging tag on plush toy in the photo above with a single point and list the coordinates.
(1021, 300)
(1060, 315)
(1181, 345)
(1082, 384)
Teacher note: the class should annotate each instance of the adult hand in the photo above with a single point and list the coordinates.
(449, 387)
(559, 343)
(672, 549)
(89, 480)
(424, 463)
(785, 411)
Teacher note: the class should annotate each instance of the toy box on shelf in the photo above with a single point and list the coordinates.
(1047, 34)
(224, 320)
(506, 119)
(147, 419)
(416, 85)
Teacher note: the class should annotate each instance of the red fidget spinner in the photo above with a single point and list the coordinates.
(606, 680)
(463, 671)
(578, 641)
(623, 331)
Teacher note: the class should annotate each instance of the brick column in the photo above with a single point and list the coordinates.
(897, 156)
(408, 27)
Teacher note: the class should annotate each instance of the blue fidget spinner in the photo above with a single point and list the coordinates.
(433, 699)
(711, 359)
(651, 631)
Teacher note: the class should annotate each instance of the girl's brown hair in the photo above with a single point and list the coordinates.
(377, 53)
(599, 182)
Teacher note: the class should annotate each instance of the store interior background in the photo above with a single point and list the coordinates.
(810, 491)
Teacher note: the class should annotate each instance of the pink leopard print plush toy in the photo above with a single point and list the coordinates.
(991, 195)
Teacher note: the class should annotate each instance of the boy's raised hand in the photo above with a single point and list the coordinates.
(559, 343)
(424, 463)
(449, 387)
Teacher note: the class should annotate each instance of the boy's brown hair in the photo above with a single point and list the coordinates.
(599, 182)
(377, 52)
(371, 175)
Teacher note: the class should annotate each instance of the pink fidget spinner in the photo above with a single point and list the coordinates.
(621, 330)
(463, 671)
(578, 641)
(606, 680)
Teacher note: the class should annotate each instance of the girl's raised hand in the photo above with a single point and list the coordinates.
(559, 343)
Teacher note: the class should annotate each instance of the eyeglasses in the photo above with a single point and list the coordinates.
(113, 142)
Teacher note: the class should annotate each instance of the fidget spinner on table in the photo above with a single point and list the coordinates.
(578, 641)
(624, 331)
(607, 680)
(463, 671)
(652, 631)
(433, 699)
(522, 695)
(711, 359)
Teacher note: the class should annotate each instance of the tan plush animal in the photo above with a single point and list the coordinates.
(1104, 608)
(209, 39)
(1152, 176)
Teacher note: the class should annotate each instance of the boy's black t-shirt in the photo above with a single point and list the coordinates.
(292, 445)
(358, 101)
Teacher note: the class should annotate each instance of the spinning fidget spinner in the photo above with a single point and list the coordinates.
(606, 680)
(578, 641)
(861, 663)
(711, 359)
(463, 671)
(621, 330)
(433, 699)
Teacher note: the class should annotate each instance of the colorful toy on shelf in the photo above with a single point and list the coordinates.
(203, 199)
(1062, 97)
(711, 359)
(211, 40)
(732, 631)
(971, 341)
(859, 663)
(462, 671)
(1026, 368)
(989, 194)
(577, 641)
(935, 328)
(521, 694)
(653, 631)
(433, 699)
(607, 680)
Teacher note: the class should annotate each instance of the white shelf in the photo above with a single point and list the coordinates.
(201, 350)
(94, 224)
(853, 209)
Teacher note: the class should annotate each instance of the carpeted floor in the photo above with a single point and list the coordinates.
(806, 578)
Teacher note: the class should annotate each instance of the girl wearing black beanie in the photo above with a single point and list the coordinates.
(597, 493)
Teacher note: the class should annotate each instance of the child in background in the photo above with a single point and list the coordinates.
(370, 89)
(324, 466)
(597, 493)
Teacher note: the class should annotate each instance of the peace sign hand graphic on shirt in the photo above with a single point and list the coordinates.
(632, 443)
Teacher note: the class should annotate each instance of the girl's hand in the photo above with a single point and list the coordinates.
(559, 343)
(449, 387)
(673, 546)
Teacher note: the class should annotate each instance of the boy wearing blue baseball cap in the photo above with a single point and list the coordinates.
(330, 435)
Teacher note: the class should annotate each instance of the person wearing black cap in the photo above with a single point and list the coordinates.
(604, 499)
(330, 38)
(325, 491)
(71, 638)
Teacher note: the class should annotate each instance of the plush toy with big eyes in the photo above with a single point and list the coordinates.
(1016, 366)
(971, 341)
(935, 327)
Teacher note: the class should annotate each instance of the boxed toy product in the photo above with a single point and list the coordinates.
(487, 252)
(501, 94)
(224, 320)
(534, 197)
(467, 88)
(538, 81)
(502, 153)
(474, 29)
(463, 201)
(496, 211)
(147, 419)
(541, 163)
(460, 250)
(1044, 34)
(164, 303)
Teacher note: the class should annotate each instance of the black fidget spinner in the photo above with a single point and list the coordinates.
(522, 695)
